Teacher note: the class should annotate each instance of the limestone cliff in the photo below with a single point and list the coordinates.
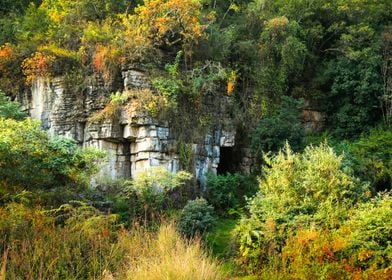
(133, 141)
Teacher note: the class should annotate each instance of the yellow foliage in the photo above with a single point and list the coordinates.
(278, 22)
(365, 254)
(5, 51)
(112, 107)
(231, 82)
(166, 18)
(277, 25)
(5, 56)
(168, 256)
(57, 51)
(145, 100)
(38, 65)
(105, 59)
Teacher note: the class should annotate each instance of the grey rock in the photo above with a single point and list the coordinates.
(132, 144)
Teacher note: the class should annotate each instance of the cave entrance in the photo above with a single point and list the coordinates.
(229, 160)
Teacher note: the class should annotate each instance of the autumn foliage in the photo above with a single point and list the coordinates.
(173, 21)
(5, 56)
(36, 66)
(105, 60)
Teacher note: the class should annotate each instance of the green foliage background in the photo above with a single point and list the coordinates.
(318, 214)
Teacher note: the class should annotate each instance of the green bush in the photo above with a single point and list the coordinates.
(151, 187)
(373, 152)
(228, 191)
(359, 249)
(370, 229)
(196, 218)
(128, 208)
(282, 125)
(296, 191)
(30, 159)
(10, 109)
(369, 157)
(171, 85)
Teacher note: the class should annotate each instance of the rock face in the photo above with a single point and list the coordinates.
(133, 141)
(313, 117)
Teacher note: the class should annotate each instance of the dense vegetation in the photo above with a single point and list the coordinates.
(52, 225)
(333, 53)
(322, 206)
(310, 212)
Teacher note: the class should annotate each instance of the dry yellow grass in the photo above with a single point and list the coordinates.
(90, 245)
(168, 256)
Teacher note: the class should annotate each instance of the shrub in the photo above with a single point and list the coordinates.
(278, 127)
(169, 87)
(373, 152)
(151, 188)
(111, 196)
(228, 191)
(112, 108)
(30, 158)
(196, 218)
(369, 157)
(369, 231)
(359, 249)
(10, 109)
(296, 191)
(37, 66)
(179, 19)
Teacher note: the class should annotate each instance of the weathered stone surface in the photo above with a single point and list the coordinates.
(313, 118)
(133, 141)
(227, 139)
(134, 78)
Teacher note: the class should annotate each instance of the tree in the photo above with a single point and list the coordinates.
(282, 55)
(386, 97)
(296, 191)
(31, 160)
(171, 22)
(10, 109)
(283, 124)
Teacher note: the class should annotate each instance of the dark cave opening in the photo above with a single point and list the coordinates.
(229, 160)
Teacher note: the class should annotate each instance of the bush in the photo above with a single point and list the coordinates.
(228, 191)
(373, 153)
(369, 157)
(369, 231)
(109, 196)
(10, 109)
(359, 249)
(196, 218)
(278, 127)
(30, 159)
(296, 191)
(151, 189)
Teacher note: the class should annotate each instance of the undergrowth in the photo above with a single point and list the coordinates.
(76, 241)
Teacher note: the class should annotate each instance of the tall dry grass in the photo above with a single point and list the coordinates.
(166, 255)
(36, 244)
(89, 245)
